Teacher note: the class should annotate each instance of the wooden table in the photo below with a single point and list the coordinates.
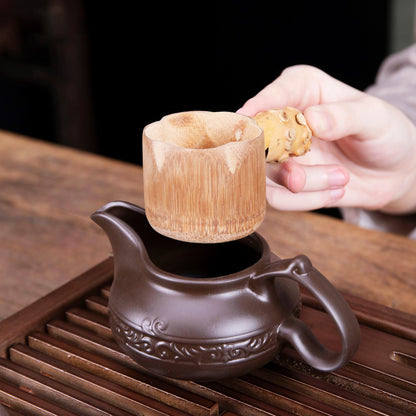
(48, 192)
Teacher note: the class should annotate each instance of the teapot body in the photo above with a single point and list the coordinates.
(211, 311)
(189, 315)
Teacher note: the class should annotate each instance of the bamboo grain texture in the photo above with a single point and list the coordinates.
(204, 176)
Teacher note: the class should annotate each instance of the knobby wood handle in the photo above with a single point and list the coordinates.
(298, 334)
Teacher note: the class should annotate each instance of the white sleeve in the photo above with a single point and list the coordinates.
(396, 81)
(396, 84)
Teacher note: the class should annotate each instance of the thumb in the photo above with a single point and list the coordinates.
(363, 117)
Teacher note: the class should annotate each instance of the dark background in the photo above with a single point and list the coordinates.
(92, 74)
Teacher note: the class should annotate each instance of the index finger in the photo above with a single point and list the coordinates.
(299, 86)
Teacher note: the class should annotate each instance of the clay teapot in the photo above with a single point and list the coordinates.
(211, 311)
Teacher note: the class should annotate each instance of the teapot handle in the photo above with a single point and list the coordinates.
(297, 333)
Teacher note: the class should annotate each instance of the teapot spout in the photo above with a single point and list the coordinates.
(123, 222)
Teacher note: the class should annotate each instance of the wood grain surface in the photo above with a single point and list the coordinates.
(48, 192)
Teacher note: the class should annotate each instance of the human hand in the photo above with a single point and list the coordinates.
(363, 150)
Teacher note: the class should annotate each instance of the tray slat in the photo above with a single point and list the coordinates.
(58, 393)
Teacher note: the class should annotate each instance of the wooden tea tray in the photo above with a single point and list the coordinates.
(58, 357)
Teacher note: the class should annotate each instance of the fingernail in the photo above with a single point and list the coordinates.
(336, 194)
(337, 177)
(244, 112)
(318, 120)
